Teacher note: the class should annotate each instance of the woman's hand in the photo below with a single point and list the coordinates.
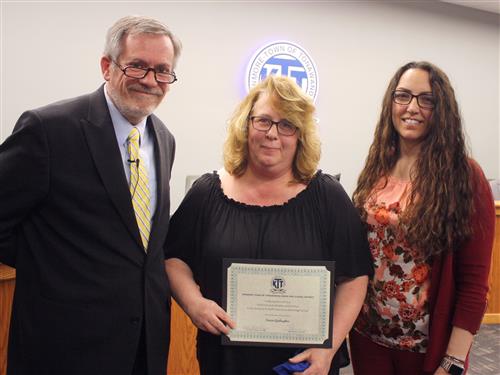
(204, 313)
(320, 360)
(209, 316)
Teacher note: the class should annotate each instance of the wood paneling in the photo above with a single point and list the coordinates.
(7, 284)
(182, 355)
(493, 312)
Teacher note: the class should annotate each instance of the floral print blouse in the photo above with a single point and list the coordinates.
(395, 313)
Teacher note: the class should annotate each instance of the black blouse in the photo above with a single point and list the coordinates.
(320, 223)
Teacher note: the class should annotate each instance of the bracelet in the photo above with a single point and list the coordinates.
(454, 359)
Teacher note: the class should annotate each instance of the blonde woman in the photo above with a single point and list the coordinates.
(270, 201)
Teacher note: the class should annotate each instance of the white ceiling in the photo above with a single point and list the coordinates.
(492, 6)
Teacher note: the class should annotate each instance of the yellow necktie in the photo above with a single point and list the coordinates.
(139, 188)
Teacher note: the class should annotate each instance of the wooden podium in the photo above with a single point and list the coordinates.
(182, 354)
(7, 282)
(492, 315)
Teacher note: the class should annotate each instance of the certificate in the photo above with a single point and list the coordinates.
(279, 303)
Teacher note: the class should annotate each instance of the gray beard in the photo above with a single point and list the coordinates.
(133, 114)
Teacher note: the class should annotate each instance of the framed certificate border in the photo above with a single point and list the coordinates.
(323, 272)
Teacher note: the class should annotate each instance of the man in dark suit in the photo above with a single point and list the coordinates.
(92, 295)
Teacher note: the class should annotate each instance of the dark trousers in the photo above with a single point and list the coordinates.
(369, 358)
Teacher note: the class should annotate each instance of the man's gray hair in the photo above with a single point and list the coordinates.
(134, 25)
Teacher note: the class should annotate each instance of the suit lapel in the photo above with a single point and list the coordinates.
(104, 149)
(162, 168)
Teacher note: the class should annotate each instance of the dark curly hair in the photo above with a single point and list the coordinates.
(440, 204)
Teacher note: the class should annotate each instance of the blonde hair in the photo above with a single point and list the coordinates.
(291, 103)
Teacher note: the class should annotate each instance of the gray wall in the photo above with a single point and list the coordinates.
(51, 51)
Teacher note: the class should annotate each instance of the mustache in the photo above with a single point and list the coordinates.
(144, 89)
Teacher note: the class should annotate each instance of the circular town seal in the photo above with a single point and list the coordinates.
(285, 59)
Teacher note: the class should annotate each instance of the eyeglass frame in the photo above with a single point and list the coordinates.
(277, 123)
(411, 99)
(146, 71)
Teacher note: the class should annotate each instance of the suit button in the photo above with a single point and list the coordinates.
(135, 320)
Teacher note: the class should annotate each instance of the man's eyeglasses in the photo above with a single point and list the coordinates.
(264, 124)
(140, 73)
(424, 100)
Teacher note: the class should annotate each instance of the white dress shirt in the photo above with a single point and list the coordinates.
(146, 148)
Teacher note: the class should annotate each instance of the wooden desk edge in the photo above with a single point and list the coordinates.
(7, 273)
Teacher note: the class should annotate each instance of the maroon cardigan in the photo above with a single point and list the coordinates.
(459, 279)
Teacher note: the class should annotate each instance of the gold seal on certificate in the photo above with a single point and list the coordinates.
(279, 303)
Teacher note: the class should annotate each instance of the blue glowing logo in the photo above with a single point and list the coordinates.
(284, 59)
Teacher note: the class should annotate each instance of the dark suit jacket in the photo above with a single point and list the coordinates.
(84, 285)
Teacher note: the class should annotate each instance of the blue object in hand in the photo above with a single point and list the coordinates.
(287, 368)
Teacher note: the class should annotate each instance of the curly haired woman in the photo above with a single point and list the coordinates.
(430, 217)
